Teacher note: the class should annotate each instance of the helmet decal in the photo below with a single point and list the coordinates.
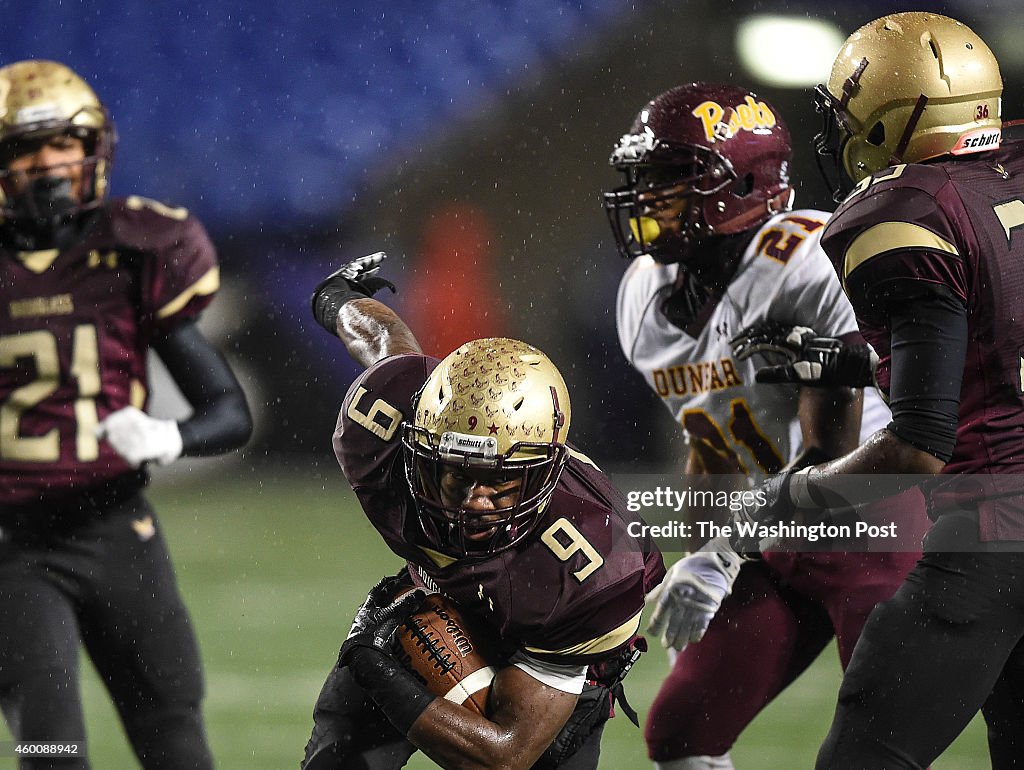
(493, 408)
(700, 161)
(749, 116)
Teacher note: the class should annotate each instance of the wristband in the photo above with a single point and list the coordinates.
(722, 552)
(395, 691)
(799, 490)
(328, 300)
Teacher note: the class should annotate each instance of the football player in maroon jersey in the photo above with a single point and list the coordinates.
(87, 285)
(928, 246)
(462, 466)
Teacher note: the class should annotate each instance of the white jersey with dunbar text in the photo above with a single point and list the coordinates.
(783, 276)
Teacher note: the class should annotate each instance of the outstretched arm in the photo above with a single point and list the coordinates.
(929, 345)
(342, 304)
(811, 360)
(372, 331)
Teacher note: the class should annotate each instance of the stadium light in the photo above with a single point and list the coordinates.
(788, 51)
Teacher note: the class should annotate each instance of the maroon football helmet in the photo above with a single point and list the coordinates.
(700, 161)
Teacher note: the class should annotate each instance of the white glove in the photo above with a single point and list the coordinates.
(137, 437)
(691, 593)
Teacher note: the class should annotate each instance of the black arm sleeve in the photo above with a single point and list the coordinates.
(929, 344)
(220, 420)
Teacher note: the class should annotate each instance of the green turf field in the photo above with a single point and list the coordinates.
(273, 563)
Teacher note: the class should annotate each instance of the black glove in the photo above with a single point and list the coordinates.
(748, 523)
(368, 654)
(378, 617)
(812, 360)
(354, 280)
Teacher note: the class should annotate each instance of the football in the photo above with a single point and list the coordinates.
(452, 656)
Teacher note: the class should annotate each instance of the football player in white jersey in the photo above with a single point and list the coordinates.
(705, 214)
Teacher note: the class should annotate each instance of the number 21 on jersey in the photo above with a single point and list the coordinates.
(744, 431)
(40, 349)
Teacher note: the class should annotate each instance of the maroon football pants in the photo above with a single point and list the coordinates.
(782, 612)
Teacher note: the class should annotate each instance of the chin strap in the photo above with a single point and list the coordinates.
(777, 204)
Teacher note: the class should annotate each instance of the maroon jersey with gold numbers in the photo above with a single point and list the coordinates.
(571, 592)
(961, 224)
(74, 329)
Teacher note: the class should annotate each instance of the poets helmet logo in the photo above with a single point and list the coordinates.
(749, 116)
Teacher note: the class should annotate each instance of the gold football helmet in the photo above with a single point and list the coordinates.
(497, 409)
(903, 89)
(41, 98)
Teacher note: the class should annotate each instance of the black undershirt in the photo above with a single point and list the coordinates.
(220, 421)
(929, 344)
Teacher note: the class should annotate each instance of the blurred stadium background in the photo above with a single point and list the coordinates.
(469, 140)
